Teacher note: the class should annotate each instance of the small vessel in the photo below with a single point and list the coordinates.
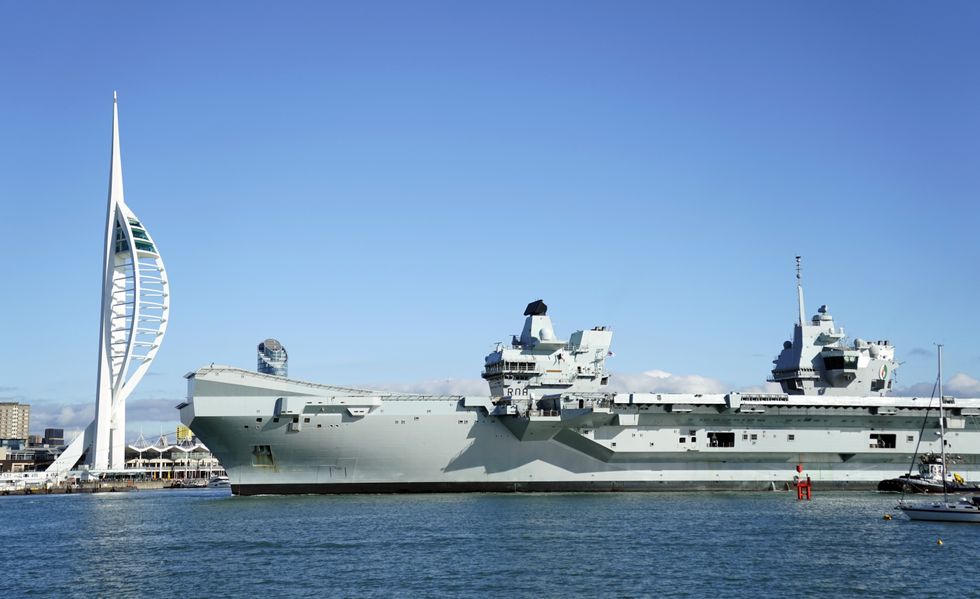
(965, 509)
(929, 479)
(218, 481)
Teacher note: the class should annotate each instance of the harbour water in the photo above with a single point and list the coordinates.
(206, 543)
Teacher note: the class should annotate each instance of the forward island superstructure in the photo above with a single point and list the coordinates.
(549, 424)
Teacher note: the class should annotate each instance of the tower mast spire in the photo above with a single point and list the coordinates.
(115, 165)
(799, 290)
(135, 311)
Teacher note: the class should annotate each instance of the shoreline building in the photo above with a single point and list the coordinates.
(272, 358)
(135, 310)
(186, 459)
(55, 437)
(15, 420)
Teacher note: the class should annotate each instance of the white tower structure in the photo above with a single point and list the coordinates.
(135, 310)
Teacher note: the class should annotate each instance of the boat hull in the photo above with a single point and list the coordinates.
(943, 512)
(616, 486)
(912, 485)
(276, 436)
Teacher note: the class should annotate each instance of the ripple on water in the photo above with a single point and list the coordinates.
(206, 543)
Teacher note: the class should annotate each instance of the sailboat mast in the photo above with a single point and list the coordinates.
(942, 421)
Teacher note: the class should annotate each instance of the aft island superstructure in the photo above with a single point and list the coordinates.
(549, 425)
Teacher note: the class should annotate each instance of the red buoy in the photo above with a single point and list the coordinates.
(804, 487)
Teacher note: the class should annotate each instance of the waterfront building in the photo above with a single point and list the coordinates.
(184, 433)
(54, 437)
(14, 459)
(272, 358)
(135, 310)
(185, 459)
(15, 420)
(22, 458)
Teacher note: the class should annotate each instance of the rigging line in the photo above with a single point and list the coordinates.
(921, 430)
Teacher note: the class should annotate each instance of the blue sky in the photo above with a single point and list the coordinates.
(384, 186)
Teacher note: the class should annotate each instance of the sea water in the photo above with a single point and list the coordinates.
(206, 543)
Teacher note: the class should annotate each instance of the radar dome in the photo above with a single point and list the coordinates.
(787, 345)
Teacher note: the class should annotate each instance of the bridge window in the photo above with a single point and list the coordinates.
(840, 362)
(882, 441)
(721, 439)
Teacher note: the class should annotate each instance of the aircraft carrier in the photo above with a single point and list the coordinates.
(548, 425)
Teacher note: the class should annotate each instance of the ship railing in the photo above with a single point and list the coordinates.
(544, 413)
(579, 403)
(387, 395)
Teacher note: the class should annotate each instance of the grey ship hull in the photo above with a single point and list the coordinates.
(275, 435)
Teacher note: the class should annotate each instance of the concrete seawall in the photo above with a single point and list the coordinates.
(88, 488)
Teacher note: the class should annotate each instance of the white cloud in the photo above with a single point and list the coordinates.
(765, 388)
(915, 390)
(963, 385)
(959, 385)
(438, 387)
(660, 381)
(654, 380)
(152, 410)
(75, 417)
(161, 412)
(651, 381)
(71, 417)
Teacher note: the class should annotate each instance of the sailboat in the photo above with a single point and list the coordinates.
(966, 509)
